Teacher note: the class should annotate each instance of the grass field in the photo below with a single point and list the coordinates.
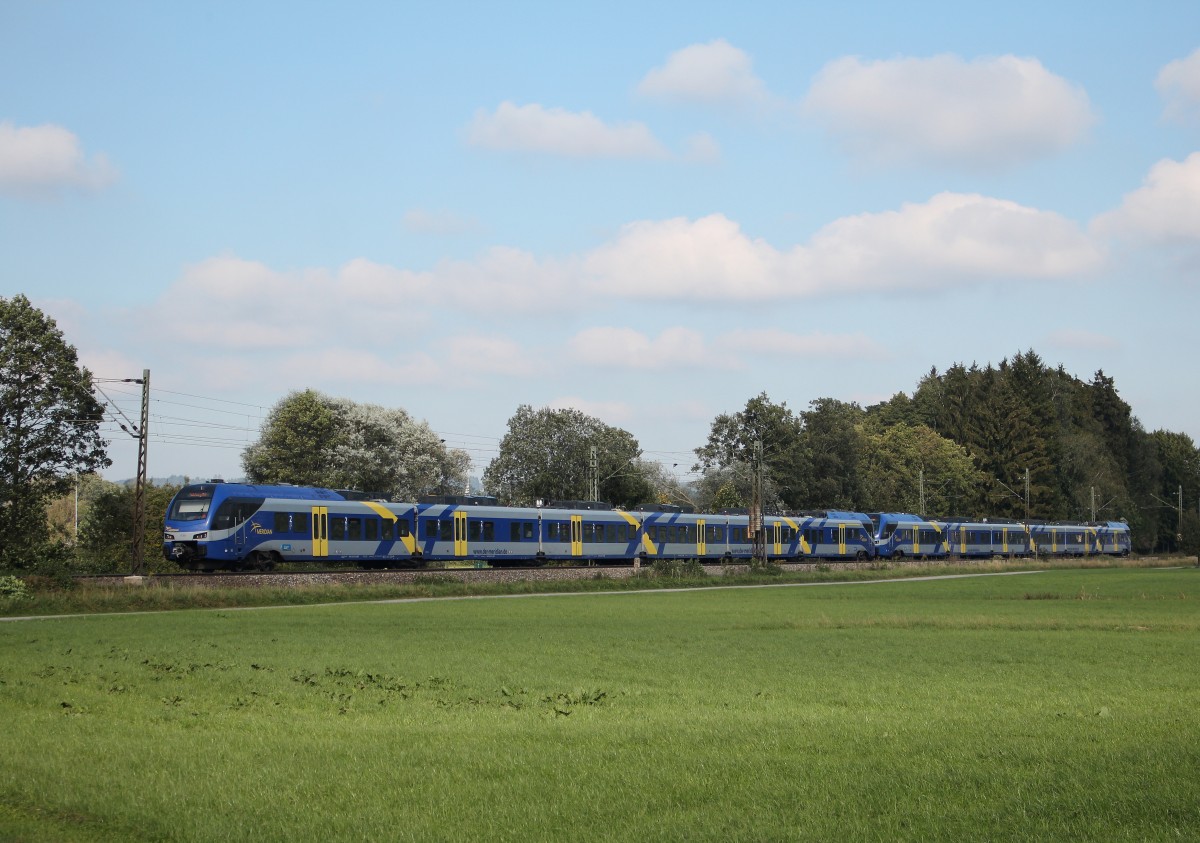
(1052, 706)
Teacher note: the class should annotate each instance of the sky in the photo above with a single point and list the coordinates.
(650, 212)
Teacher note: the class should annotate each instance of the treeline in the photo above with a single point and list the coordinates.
(962, 444)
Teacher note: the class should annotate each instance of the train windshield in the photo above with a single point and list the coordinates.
(191, 504)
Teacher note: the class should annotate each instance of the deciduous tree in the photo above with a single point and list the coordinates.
(314, 440)
(546, 454)
(49, 424)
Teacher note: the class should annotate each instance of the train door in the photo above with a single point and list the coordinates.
(701, 542)
(777, 529)
(320, 532)
(841, 539)
(577, 535)
(460, 534)
(1004, 540)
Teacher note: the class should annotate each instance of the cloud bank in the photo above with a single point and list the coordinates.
(983, 114)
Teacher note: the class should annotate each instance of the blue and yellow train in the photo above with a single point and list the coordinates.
(220, 525)
(232, 525)
(899, 534)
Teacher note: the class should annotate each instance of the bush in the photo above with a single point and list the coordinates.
(13, 588)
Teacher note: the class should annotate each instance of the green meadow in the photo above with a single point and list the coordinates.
(1046, 706)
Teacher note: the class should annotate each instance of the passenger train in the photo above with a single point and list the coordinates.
(220, 525)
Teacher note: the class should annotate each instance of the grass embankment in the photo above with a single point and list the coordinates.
(1043, 707)
(81, 598)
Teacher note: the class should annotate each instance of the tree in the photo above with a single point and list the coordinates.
(546, 455)
(891, 473)
(834, 440)
(786, 463)
(310, 439)
(61, 512)
(49, 424)
(104, 539)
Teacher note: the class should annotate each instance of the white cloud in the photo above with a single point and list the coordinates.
(990, 112)
(776, 343)
(626, 348)
(709, 258)
(1166, 208)
(951, 240)
(507, 281)
(556, 131)
(1074, 339)
(1179, 85)
(712, 73)
(43, 160)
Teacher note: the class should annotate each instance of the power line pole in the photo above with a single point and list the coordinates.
(1027, 496)
(758, 536)
(1179, 530)
(594, 463)
(1093, 504)
(139, 495)
(921, 480)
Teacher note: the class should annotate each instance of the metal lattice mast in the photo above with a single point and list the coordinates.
(139, 496)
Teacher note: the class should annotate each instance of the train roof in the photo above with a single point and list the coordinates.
(257, 490)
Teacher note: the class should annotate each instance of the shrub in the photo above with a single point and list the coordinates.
(13, 588)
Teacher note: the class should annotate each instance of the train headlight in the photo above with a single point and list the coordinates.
(199, 536)
(168, 537)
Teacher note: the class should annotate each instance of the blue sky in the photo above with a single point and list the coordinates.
(649, 212)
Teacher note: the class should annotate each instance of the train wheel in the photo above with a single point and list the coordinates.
(898, 555)
(861, 556)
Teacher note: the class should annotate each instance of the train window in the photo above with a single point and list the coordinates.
(372, 529)
(388, 529)
(610, 532)
(527, 530)
(474, 530)
(354, 529)
(300, 522)
(653, 533)
(489, 531)
(514, 531)
(552, 531)
(281, 522)
(887, 531)
(337, 528)
(446, 530)
(431, 528)
(234, 511)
